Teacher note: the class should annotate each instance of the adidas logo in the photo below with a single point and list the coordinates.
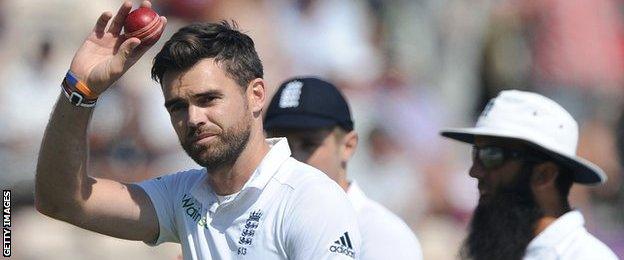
(343, 246)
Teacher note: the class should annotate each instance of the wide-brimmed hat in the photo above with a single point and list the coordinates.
(537, 120)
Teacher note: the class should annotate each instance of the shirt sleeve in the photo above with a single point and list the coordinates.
(162, 191)
(386, 238)
(321, 223)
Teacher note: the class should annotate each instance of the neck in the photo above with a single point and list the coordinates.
(549, 217)
(341, 179)
(542, 224)
(344, 184)
(552, 207)
(231, 179)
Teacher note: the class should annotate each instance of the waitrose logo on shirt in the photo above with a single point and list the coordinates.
(193, 210)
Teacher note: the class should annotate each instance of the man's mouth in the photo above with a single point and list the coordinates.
(203, 138)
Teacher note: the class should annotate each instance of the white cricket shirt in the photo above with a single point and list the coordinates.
(567, 238)
(384, 235)
(287, 210)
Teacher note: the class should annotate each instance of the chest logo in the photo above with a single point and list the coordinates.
(249, 231)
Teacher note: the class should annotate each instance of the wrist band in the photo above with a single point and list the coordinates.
(78, 93)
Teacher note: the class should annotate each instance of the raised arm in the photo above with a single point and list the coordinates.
(64, 190)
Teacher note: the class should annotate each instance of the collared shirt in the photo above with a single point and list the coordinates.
(286, 210)
(567, 238)
(384, 235)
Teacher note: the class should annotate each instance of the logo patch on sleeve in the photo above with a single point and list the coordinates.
(343, 246)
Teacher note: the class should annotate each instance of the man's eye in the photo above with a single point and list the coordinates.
(203, 101)
(176, 107)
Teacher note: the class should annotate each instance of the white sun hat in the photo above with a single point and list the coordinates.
(535, 119)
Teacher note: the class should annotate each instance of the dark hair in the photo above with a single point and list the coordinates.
(564, 182)
(221, 41)
(564, 179)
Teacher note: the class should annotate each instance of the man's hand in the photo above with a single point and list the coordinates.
(107, 54)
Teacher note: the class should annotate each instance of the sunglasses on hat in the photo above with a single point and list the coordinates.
(491, 157)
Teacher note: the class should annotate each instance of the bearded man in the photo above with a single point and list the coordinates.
(524, 158)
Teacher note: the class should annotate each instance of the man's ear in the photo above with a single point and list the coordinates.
(256, 96)
(544, 175)
(349, 145)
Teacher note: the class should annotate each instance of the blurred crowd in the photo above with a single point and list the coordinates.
(408, 68)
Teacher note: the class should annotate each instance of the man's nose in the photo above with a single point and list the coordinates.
(476, 171)
(196, 116)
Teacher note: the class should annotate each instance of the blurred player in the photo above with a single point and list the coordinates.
(251, 199)
(315, 118)
(524, 157)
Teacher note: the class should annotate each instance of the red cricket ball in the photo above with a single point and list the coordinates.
(143, 23)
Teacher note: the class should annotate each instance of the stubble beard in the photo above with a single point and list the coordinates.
(224, 150)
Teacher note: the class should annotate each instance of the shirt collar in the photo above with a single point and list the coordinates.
(269, 165)
(356, 196)
(557, 231)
